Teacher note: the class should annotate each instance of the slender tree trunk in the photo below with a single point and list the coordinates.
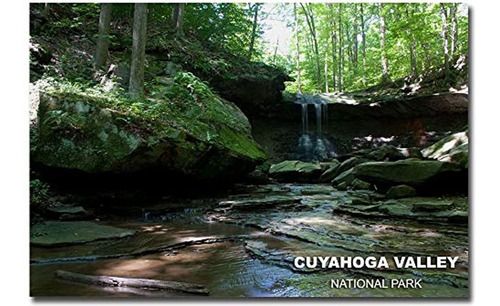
(340, 48)
(316, 50)
(355, 41)
(254, 30)
(334, 57)
(312, 29)
(326, 71)
(444, 34)
(175, 14)
(454, 33)
(101, 52)
(46, 11)
(297, 46)
(138, 50)
(333, 38)
(385, 68)
(411, 45)
(363, 46)
(276, 50)
(349, 44)
(179, 22)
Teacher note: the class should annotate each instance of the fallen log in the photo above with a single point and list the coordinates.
(142, 283)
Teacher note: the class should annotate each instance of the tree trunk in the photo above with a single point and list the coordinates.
(383, 57)
(175, 14)
(138, 50)
(363, 46)
(411, 45)
(254, 30)
(355, 42)
(326, 71)
(334, 46)
(312, 29)
(454, 33)
(297, 46)
(143, 283)
(340, 48)
(444, 34)
(334, 57)
(179, 21)
(101, 52)
(46, 11)
(276, 50)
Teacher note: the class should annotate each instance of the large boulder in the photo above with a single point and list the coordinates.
(330, 172)
(386, 152)
(254, 86)
(295, 171)
(337, 170)
(413, 172)
(346, 177)
(190, 133)
(453, 148)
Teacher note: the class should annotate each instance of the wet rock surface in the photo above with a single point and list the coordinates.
(52, 233)
(295, 170)
(357, 223)
(244, 244)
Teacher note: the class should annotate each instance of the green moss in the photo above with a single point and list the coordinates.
(90, 129)
(240, 143)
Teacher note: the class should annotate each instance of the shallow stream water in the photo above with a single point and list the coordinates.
(253, 256)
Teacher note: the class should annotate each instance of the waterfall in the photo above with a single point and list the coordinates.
(305, 120)
(318, 117)
(313, 146)
(325, 112)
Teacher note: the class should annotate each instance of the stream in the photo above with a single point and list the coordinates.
(236, 251)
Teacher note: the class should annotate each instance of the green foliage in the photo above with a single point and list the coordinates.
(76, 66)
(39, 193)
(72, 18)
(91, 121)
(187, 98)
(33, 138)
(416, 24)
(225, 26)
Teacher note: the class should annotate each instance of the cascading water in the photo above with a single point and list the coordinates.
(325, 111)
(314, 146)
(305, 121)
(318, 117)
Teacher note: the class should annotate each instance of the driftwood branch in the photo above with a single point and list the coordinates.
(142, 283)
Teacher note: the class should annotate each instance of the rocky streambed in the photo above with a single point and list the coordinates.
(243, 244)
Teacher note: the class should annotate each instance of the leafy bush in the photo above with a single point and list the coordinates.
(39, 193)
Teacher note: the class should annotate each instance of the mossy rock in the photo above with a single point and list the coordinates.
(401, 191)
(346, 177)
(453, 148)
(190, 132)
(360, 185)
(412, 172)
(295, 170)
(329, 173)
(54, 234)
